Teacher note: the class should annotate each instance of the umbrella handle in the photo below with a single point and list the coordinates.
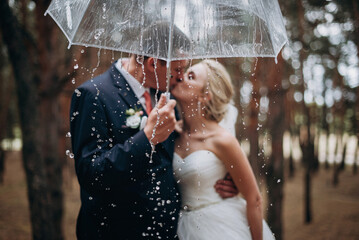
(168, 96)
(168, 79)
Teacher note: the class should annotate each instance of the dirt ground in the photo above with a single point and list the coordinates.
(335, 209)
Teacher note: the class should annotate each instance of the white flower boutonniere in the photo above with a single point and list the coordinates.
(133, 119)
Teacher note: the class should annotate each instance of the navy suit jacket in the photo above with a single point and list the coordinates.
(124, 195)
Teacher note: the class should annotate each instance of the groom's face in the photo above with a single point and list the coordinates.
(178, 69)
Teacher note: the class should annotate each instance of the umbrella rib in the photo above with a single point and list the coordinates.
(78, 24)
(170, 41)
(267, 24)
(58, 24)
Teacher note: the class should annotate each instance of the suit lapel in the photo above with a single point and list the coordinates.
(124, 89)
(132, 101)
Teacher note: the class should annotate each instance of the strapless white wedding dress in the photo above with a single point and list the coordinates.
(205, 215)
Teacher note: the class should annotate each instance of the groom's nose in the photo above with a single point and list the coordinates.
(179, 79)
(180, 76)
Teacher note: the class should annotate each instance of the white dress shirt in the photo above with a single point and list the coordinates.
(135, 85)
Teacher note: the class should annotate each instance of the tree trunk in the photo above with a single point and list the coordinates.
(338, 167)
(307, 144)
(5, 96)
(49, 116)
(335, 163)
(355, 165)
(308, 196)
(275, 125)
(289, 118)
(291, 165)
(2, 165)
(356, 25)
(325, 128)
(326, 162)
(253, 125)
(342, 162)
(356, 22)
(38, 124)
(310, 165)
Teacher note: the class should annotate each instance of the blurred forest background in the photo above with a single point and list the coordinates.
(298, 121)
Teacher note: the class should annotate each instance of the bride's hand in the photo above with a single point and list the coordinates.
(226, 187)
(179, 126)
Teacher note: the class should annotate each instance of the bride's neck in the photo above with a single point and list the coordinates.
(193, 119)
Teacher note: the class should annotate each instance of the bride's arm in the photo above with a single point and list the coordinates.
(237, 164)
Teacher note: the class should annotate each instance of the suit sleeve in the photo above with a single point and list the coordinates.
(101, 164)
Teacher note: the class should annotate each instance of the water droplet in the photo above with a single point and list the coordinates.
(76, 66)
(278, 181)
(68, 134)
(98, 33)
(90, 198)
(78, 93)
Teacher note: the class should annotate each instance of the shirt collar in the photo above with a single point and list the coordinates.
(136, 86)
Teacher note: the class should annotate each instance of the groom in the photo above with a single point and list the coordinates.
(127, 191)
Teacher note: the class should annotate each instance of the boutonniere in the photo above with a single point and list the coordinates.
(135, 118)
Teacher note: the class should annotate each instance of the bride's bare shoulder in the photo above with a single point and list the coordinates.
(224, 139)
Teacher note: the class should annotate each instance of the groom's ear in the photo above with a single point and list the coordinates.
(150, 64)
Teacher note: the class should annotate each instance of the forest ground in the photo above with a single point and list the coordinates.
(335, 209)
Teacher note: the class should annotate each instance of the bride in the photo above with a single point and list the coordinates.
(205, 152)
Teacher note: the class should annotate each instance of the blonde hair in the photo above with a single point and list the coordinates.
(220, 88)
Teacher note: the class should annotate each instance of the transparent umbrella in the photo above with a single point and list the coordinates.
(211, 28)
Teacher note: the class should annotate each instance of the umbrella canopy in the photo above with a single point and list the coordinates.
(208, 28)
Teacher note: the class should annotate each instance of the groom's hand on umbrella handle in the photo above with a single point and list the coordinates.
(226, 187)
(163, 119)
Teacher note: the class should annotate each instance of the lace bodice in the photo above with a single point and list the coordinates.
(196, 175)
